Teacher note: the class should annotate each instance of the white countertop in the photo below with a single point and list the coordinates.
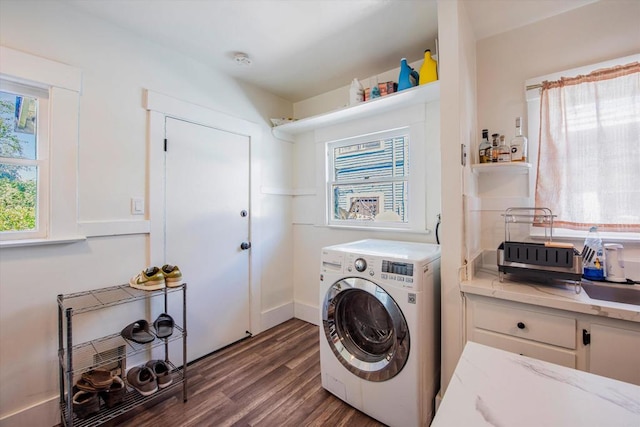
(492, 387)
(559, 296)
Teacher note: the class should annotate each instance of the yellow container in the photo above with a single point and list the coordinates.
(429, 69)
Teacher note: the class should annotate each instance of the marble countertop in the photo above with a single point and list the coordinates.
(560, 296)
(492, 387)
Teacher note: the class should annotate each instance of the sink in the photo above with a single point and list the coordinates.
(628, 294)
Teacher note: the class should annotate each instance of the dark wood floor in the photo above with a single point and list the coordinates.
(272, 379)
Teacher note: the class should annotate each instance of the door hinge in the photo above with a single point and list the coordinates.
(463, 155)
(586, 337)
(165, 144)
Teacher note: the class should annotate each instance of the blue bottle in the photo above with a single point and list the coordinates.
(408, 76)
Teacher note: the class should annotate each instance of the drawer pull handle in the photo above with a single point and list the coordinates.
(520, 325)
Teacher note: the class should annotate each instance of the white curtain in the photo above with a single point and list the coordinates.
(589, 153)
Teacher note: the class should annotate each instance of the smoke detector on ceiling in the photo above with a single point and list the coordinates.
(242, 59)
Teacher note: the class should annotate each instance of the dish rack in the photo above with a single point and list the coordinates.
(548, 260)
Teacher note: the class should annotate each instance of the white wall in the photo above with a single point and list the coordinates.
(310, 231)
(594, 33)
(457, 69)
(117, 66)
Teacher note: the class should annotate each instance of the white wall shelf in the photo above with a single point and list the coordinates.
(416, 95)
(511, 167)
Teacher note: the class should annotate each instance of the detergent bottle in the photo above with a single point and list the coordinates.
(429, 69)
(408, 76)
(593, 257)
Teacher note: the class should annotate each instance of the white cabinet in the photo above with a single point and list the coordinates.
(614, 352)
(596, 344)
(519, 329)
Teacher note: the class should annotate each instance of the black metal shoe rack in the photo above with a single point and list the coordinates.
(112, 349)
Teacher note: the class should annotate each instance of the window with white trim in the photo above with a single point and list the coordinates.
(587, 145)
(368, 180)
(49, 160)
(24, 161)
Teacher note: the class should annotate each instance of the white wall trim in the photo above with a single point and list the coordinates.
(113, 227)
(161, 107)
(306, 312)
(31, 69)
(46, 412)
(277, 315)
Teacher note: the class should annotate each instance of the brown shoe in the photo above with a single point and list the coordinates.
(85, 404)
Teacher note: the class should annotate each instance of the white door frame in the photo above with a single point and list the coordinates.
(159, 107)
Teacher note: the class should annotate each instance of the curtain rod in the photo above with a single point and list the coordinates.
(536, 86)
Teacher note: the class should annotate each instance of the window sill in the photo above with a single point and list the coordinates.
(41, 242)
(374, 228)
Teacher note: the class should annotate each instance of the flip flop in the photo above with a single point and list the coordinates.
(99, 378)
(163, 326)
(138, 332)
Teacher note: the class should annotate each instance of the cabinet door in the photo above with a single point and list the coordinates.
(614, 353)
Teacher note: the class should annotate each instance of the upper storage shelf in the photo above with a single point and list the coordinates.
(416, 95)
(508, 167)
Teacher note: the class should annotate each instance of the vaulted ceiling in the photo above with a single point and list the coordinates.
(301, 48)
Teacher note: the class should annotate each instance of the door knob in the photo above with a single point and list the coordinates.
(245, 245)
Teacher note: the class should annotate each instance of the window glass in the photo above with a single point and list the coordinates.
(369, 180)
(18, 162)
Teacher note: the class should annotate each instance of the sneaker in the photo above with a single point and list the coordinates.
(115, 393)
(150, 279)
(162, 371)
(143, 380)
(172, 275)
(85, 403)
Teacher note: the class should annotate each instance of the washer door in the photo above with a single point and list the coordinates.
(365, 329)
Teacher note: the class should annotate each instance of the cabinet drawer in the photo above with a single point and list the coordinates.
(526, 348)
(530, 325)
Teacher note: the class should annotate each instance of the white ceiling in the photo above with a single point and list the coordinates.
(301, 48)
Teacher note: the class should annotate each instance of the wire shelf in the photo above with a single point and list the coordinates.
(82, 302)
(132, 400)
(98, 352)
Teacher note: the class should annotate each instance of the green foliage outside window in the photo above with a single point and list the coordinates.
(17, 195)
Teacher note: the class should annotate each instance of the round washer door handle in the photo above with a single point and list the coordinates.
(520, 325)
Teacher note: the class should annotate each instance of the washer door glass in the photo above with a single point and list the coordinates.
(365, 329)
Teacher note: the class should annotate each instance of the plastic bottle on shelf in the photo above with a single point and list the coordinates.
(408, 76)
(356, 92)
(374, 92)
(593, 256)
(429, 69)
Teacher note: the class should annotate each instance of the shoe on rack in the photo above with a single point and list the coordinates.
(98, 378)
(162, 370)
(85, 403)
(150, 279)
(163, 326)
(143, 380)
(172, 275)
(115, 393)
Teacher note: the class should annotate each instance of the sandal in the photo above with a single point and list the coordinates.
(98, 378)
(138, 332)
(163, 326)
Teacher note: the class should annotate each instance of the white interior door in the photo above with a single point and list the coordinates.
(206, 220)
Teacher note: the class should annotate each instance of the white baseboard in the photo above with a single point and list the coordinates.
(45, 413)
(277, 315)
(308, 313)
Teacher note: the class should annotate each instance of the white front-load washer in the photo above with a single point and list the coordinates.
(380, 328)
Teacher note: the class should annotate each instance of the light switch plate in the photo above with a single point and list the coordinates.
(137, 206)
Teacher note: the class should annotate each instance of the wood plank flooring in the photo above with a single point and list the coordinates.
(272, 379)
